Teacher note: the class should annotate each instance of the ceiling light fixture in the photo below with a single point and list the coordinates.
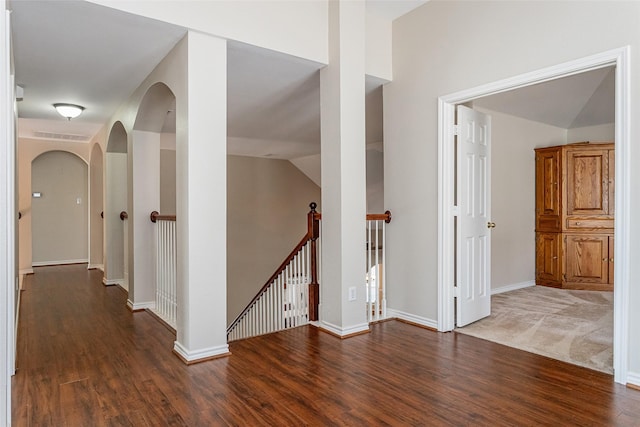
(69, 111)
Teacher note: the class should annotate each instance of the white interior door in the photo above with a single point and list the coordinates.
(473, 249)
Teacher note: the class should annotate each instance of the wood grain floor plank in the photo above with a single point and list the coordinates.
(85, 360)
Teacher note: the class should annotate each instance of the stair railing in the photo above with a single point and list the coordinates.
(376, 291)
(166, 307)
(289, 298)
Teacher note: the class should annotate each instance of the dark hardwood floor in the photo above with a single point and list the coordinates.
(85, 360)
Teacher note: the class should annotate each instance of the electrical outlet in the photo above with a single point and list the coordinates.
(352, 293)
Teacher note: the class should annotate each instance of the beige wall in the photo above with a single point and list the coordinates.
(28, 150)
(513, 195)
(267, 203)
(168, 182)
(600, 133)
(59, 221)
(448, 46)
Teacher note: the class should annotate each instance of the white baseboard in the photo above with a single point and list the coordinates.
(25, 271)
(422, 321)
(137, 306)
(513, 287)
(59, 262)
(20, 282)
(111, 282)
(344, 332)
(96, 267)
(633, 378)
(190, 356)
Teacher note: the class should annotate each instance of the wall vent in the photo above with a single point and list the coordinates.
(61, 136)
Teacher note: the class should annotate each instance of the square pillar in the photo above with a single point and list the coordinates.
(342, 97)
(144, 198)
(201, 191)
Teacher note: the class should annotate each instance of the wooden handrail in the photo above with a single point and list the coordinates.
(155, 216)
(19, 215)
(124, 215)
(386, 217)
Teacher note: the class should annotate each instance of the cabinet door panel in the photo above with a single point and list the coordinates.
(548, 174)
(587, 258)
(548, 258)
(587, 182)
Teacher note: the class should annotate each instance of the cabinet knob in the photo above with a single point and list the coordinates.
(611, 259)
(604, 259)
(578, 223)
(555, 257)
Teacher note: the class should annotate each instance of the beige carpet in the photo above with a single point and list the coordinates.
(573, 326)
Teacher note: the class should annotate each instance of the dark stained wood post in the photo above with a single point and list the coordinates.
(313, 230)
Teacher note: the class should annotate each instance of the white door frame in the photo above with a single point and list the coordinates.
(446, 169)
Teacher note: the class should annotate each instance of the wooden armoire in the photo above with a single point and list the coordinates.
(575, 215)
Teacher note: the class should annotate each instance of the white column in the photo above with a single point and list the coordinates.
(116, 202)
(144, 199)
(343, 171)
(201, 191)
(8, 220)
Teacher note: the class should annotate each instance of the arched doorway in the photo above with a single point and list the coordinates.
(116, 246)
(96, 206)
(59, 189)
(152, 187)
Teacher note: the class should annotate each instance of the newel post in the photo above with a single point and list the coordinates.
(313, 231)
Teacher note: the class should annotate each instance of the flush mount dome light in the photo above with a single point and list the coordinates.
(69, 111)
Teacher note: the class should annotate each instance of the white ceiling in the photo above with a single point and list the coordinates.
(585, 99)
(83, 53)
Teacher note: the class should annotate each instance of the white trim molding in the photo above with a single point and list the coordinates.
(61, 262)
(138, 306)
(620, 58)
(95, 267)
(25, 271)
(408, 317)
(633, 378)
(513, 287)
(344, 332)
(194, 356)
(111, 282)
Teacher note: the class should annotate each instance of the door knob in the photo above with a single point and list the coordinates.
(491, 225)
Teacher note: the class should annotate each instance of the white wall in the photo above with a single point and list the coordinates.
(270, 24)
(513, 195)
(378, 52)
(600, 133)
(445, 47)
(298, 28)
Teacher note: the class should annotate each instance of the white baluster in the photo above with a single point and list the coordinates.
(383, 276)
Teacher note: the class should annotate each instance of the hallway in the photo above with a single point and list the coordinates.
(85, 360)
